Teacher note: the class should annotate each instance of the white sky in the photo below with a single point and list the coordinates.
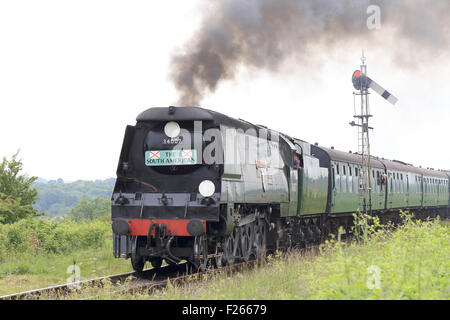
(73, 74)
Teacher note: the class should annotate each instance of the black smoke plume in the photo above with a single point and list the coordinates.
(262, 34)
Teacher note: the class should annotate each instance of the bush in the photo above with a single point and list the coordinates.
(37, 235)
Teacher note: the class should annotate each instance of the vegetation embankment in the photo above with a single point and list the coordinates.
(36, 252)
(410, 262)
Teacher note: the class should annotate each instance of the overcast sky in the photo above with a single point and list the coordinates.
(73, 74)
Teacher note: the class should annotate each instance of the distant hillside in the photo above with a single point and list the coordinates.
(57, 197)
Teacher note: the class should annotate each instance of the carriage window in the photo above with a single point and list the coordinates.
(344, 170)
(337, 168)
(350, 170)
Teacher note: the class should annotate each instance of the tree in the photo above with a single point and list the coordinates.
(90, 209)
(58, 198)
(17, 194)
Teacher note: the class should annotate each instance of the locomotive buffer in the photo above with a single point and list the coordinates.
(362, 83)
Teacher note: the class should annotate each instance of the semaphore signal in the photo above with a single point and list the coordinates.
(362, 83)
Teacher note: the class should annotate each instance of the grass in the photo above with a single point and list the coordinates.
(412, 262)
(26, 272)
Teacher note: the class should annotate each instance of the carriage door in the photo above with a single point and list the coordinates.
(289, 155)
(296, 178)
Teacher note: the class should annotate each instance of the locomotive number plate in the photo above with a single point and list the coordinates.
(170, 157)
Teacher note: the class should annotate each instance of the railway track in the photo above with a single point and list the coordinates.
(151, 286)
(154, 275)
(148, 281)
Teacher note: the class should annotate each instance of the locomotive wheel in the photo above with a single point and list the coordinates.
(246, 236)
(200, 253)
(260, 238)
(309, 239)
(220, 259)
(245, 253)
(229, 249)
(137, 262)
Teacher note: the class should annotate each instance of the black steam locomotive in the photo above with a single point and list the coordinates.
(193, 184)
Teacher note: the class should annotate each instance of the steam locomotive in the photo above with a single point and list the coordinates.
(193, 184)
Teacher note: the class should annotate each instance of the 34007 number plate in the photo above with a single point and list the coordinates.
(170, 157)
